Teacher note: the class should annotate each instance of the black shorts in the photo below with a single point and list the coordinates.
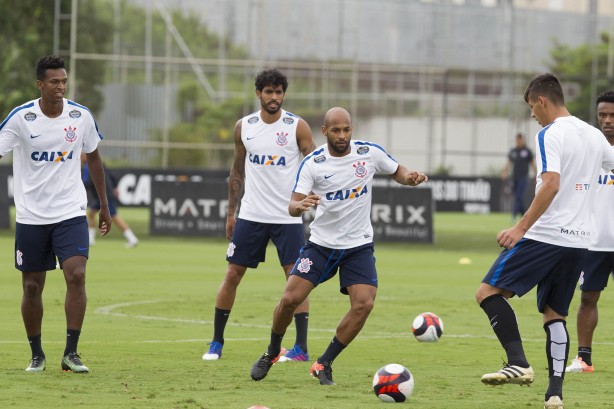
(355, 265)
(250, 240)
(596, 269)
(37, 246)
(553, 269)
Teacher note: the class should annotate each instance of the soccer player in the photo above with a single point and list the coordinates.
(337, 178)
(269, 146)
(546, 246)
(47, 136)
(599, 262)
(93, 205)
(520, 158)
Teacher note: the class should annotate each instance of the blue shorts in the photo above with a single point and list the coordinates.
(250, 240)
(596, 269)
(37, 246)
(96, 206)
(318, 264)
(553, 269)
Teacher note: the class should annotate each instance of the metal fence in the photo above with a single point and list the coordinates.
(440, 84)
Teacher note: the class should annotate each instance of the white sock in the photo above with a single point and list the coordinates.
(92, 232)
(129, 235)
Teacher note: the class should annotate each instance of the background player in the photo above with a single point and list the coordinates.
(340, 175)
(546, 246)
(599, 262)
(47, 136)
(93, 205)
(269, 145)
(519, 159)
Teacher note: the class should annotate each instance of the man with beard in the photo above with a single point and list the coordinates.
(269, 146)
(337, 178)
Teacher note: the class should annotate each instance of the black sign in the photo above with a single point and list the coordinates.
(188, 206)
(401, 213)
(469, 194)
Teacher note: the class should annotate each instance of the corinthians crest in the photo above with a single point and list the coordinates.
(361, 171)
(282, 138)
(71, 134)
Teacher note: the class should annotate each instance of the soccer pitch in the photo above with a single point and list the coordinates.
(150, 316)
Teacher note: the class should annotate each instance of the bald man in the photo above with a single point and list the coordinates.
(337, 178)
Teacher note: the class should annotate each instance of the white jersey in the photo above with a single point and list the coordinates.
(343, 217)
(577, 151)
(271, 162)
(46, 160)
(602, 238)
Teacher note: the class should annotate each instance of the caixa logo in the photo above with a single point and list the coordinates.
(267, 160)
(347, 193)
(52, 156)
(191, 208)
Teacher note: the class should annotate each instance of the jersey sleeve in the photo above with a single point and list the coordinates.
(304, 178)
(384, 163)
(9, 134)
(608, 156)
(549, 148)
(92, 136)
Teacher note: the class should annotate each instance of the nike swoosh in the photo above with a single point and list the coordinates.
(247, 139)
(82, 248)
(328, 176)
(35, 136)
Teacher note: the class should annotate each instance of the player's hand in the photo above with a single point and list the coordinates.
(104, 221)
(230, 226)
(308, 202)
(415, 178)
(508, 238)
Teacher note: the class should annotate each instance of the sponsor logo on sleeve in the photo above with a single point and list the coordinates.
(74, 114)
(319, 159)
(30, 116)
(362, 150)
(252, 120)
(288, 121)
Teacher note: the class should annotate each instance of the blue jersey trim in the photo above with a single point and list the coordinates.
(541, 136)
(375, 146)
(14, 111)
(88, 110)
(305, 159)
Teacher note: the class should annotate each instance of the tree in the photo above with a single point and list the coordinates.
(574, 65)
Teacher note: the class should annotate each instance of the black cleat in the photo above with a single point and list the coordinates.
(324, 372)
(261, 367)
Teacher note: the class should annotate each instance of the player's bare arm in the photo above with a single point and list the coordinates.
(407, 177)
(304, 138)
(543, 198)
(235, 180)
(94, 163)
(300, 203)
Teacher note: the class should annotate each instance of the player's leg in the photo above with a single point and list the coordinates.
(554, 295)
(362, 299)
(92, 225)
(289, 239)
(34, 240)
(596, 269)
(358, 279)
(69, 241)
(297, 290)
(246, 250)
(32, 314)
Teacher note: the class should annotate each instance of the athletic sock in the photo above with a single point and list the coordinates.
(301, 320)
(92, 233)
(219, 324)
(586, 354)
(72, 340)
(504, 324)
(557, 351)
(35, 346)
(334, 349)
(130, 236)
(275, 345)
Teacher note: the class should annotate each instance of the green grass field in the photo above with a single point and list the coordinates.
(150, 315)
